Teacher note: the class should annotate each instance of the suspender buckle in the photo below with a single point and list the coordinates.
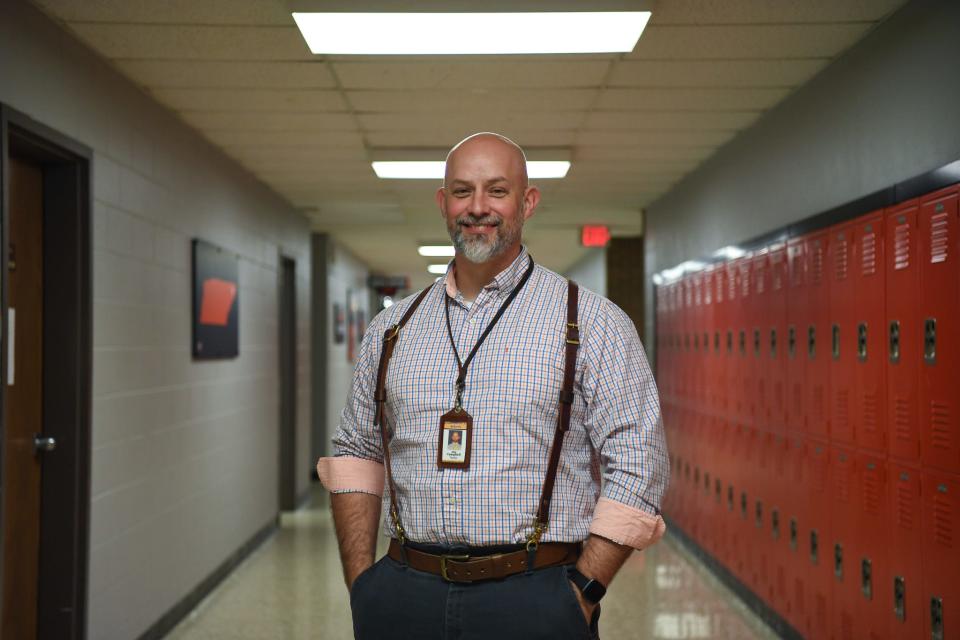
(573, 333)
(392, 333)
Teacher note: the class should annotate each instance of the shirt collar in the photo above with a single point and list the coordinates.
(504, 282)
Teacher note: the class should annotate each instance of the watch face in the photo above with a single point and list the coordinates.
(593, 591)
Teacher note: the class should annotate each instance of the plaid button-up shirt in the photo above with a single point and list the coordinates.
(512, 391)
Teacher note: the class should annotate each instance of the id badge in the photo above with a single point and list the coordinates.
(456, 430)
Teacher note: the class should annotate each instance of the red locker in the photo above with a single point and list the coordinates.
(717, 326)
(731, 319)
(846, 582)
(870, 556)
(941, 554)
(841, 341)
(777, 339)
(759, 364)
(868, 333)
(903, 330)
(818, 336)
(940, 309)
(748, 384)
(794, 526)
(776, 524)
(818, 545)
(904, 591)
(795, 352)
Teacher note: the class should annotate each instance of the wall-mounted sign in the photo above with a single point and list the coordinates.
(389, 284)
(594, 235)
(215, 302)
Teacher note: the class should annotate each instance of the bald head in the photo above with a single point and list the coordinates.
(502, 150)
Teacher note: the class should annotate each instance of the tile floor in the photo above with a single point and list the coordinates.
(292, 589)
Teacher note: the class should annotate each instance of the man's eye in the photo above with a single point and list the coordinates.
(498, 192)
(461, 192)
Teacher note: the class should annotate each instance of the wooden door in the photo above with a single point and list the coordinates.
(22, 414)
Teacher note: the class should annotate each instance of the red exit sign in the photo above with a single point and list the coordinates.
(595, 235)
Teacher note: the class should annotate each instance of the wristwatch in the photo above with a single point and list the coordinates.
(592, 590)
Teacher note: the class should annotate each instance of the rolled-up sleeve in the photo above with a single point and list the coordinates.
(357, 462)
(624, 423)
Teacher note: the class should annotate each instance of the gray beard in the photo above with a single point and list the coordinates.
(479, 249)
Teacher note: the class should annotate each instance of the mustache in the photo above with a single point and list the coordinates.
(471, 220)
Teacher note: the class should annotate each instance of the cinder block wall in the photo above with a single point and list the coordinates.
(185, 465)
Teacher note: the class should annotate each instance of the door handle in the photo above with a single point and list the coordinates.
(43, 443)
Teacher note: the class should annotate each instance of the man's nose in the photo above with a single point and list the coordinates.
(478, 205)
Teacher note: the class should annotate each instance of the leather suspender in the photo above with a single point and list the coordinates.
(563, 419)
(390, 338)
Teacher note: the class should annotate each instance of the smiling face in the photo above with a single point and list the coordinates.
(454, 437)
(485, 198)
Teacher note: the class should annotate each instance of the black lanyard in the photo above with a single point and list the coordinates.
(462, 365)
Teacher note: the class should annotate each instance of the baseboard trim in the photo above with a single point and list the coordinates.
(179, 611)
(754, 602)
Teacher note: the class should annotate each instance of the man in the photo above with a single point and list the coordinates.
(447, 518)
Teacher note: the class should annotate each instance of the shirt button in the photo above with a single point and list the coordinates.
(453, 501)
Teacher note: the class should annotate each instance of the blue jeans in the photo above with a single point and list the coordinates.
(390, 600)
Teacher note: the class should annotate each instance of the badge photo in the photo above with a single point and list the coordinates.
(454, 445)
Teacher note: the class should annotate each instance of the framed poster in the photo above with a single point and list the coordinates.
(339, 332)
(215, 302)
(351, 325)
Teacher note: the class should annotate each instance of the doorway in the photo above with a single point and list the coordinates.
(288, 383)
(45, 392)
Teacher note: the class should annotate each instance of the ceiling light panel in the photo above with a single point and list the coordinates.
(436, 250)
(434, 169)
(471, 33)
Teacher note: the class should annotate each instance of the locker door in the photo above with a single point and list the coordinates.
(870, 550)
(903, 328)
(777, 340)
(817, 340)
(940, 309)
(760, 272)
(818, 546)
(747, 393)
(941, 554)
(904, 590)
(698, 378)
(775, 527)
(729, 338)
(842, 550)
(796, 304)
(841, 341)
(717, 324)
(794, 525)
(868, 334)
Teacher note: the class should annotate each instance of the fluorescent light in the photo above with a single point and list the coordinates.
(437, 269)
(433, 169)
(729, 253)
(437, 250)
(471, 33)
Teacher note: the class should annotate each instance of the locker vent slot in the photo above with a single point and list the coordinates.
(939, 242)
(838, 561)
(862, 342)
(868, 257)
(840, 266)
(895, 341)
(793, 534)
(905, 506)
(816, 264)
(936, 618)
(942, 525)
(930, 341)
(866, 578)
(940, 434)
(841, 414)
(871, 492)
(901, 419)
(842, 480)
(835, 336)
(792, 342)
(814, 547)
(818, 403)
(901, 247)
(900, 598)
(870, 411)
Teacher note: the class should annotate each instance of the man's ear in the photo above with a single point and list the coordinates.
(441, 198)
(531, 198)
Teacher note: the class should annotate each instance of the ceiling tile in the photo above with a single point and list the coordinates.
(193, 42)
(678, 138)
(490, 73)
(700, 99)
(187, 74)
(764, 11)
(286, 101)
(431, 100)
(446, 139)
(643, 152)
(671, 120)
(476, 120)
(772, 41)
(305, 123)
(722, 73)
(280, 138)
(232, 12)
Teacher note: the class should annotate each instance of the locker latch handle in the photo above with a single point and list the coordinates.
(936, 618)
(899, 598)
(814, 547)
(743, 342)
(756, 343)
(729, 341)
(812, 342)
(866, 578)
(775, 523)
(930, 341)
(835, 331)
(793, 534)
(792, 342)
(716, 342)
(730, 498)
(895, 342)
(718, 489)
(862, 342)
(743, 506)
(773, 343)
(706, 342)
(838, 561)
(758, 515)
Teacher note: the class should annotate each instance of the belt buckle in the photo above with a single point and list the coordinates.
(443, 565)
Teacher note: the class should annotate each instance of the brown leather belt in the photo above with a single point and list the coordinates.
(465, 569)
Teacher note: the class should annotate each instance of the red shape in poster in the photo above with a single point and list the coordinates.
(218, 297)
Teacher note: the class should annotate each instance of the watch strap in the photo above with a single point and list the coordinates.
(592, 590)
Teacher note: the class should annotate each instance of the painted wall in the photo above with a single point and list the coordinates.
(590, 271)
(883, 112)
(185, 465)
